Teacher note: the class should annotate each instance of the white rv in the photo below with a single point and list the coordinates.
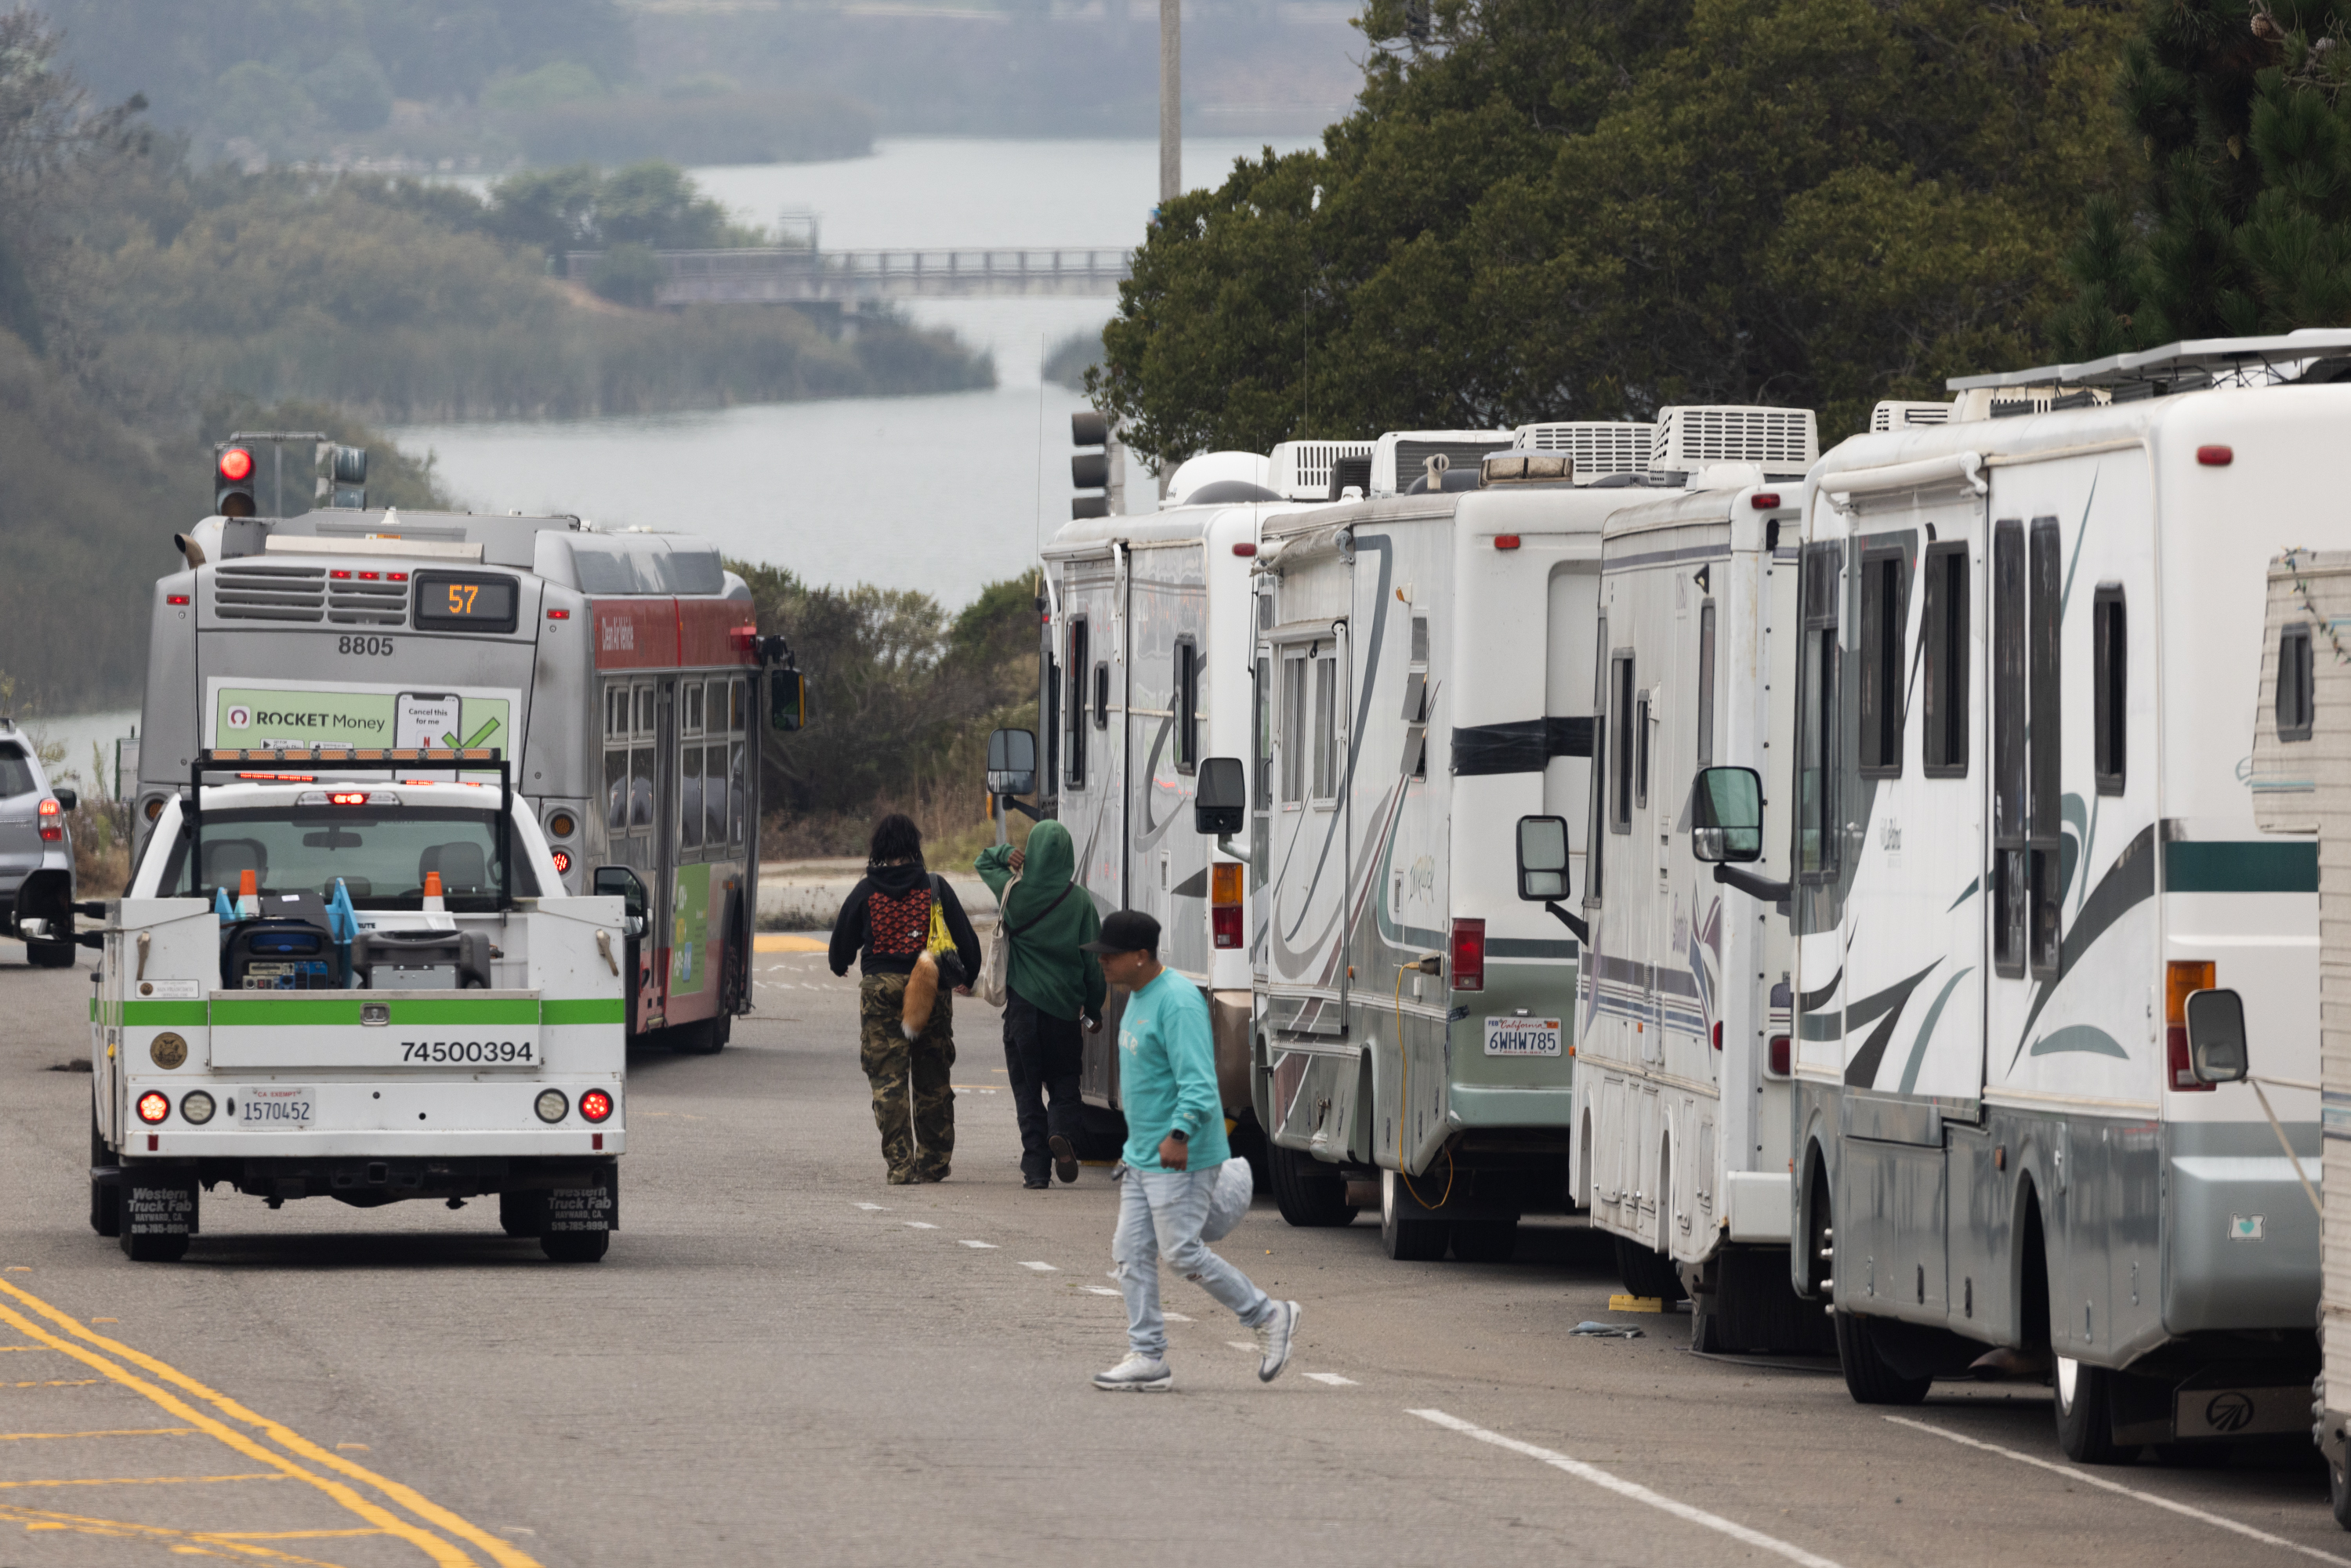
(1683, 1081)
(2020, 838)
(1424, 677)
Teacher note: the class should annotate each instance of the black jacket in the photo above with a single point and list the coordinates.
(886, 922)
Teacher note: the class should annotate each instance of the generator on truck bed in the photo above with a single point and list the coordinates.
(356, 974)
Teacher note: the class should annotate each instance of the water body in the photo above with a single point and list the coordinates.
(939, 494)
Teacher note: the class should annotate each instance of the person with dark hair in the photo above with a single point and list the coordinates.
(886, 925)
(1052, 984)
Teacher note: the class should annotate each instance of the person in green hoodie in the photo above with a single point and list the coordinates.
(1050, 984)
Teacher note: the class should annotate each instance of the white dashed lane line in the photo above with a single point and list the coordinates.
(982, 1246)
(873, 1208)
(1041, 1268)
(2076, 1473)
(1102, 1289)
(1333, 1379)
(918, 1225)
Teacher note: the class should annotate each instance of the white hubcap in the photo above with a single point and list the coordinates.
(2068, 1370)
(1387, 1197)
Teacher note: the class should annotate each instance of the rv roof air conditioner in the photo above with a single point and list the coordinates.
(1519, 468)
(1895, 414)
(1302, 470)
(1780, 441)
(1598, 446)
(1401, 456)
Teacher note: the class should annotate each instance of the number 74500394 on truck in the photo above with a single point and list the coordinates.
(356, 974)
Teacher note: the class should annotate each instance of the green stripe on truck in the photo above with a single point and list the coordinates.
(322, 1012)
(583, 1009)
(164, 1015)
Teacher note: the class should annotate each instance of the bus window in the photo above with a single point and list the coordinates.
(691, 692)
(616, 758)
(714, 794)
(689, 792)
(640, 786)
(737, 800)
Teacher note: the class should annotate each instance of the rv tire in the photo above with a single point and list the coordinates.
(1310, 1192)
(1648, 1273)
(2338, 1491)
(2084, 1406)
(105, 1201)
(1406, 1232)
(1868, 1376)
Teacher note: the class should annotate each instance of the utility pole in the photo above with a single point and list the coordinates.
(1171, 100)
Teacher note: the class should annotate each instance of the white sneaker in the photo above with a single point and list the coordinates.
(1136, 1373)
(1273, 1337)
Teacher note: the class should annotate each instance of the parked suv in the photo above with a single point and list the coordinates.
(36, 858)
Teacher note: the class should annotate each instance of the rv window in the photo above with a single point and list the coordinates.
(1049, 729)
(1596, 797)
(1641, 751)
(1945, 656)
(1293, 729)
(1076, 730)
(1420, 641)
(2010, 918)
(1187, 707)
(1326, 728)
(1705, 684)
(2295, 680)
(2110, 682)
(2046, 579)
(1816, 688)
(1620, 791)
(1102, 693)
(1879, 698)
(1261, 732)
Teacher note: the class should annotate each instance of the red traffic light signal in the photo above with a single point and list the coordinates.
(232, 482)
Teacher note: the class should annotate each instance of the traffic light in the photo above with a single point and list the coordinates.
(1089, 470)
(342, 478)
(233, 477)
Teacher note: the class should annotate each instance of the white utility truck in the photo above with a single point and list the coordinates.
(356, 974)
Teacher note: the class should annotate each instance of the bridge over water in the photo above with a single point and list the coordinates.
(801, 276)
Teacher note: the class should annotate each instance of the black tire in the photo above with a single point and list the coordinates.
(1867, 1378)
(703, 1036)
(1407, 1231)
(105, 1202)
(1648, 1273)
(155, 1249)
(2338, 1492)
(1485, 1241)
(2085, 1406)
(1310, 1192)
(50, 955)
(576, 1246)
(522, 1213)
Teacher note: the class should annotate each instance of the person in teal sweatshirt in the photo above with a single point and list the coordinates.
(1050, 984)
(1175, 1147)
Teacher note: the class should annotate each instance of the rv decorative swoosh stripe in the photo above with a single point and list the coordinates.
(1861, 1072)
(1521, 746)
(2191, 865)
(2079, 1037)
(2128, 883)
(1522, 948)
(1926, 1031)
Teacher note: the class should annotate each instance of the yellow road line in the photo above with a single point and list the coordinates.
(191, 1542)
(780, 942)
(63, 1383)
(433, 1546)
(500, 1552)
(146, 1480)
(22, 1437)
(286, 1535)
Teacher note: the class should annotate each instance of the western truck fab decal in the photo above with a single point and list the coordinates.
(302, 713)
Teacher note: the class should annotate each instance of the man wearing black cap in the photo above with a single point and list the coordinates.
(1174, 1144)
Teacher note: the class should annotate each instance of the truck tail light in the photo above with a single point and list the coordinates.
(153, 1106)
(1468, 955)
(1776, 1058)
(53, 821)
(1225, 904)
(595, 1105)
(2181, 978)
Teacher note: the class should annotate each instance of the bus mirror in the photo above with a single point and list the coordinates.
(619, 882)
(787, 700)
(1012, 762)
(2216, 1037)
(1221, 803)
(1542, 858)
(1727, 815)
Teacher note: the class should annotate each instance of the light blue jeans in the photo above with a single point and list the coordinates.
(1162, 1212)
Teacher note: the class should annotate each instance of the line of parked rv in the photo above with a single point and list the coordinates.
(1879, 888)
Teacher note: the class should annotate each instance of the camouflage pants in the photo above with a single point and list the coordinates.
(894, 1063)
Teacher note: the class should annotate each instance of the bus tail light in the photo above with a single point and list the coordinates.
(2181, 979)
(1468, 955)
(53, 821)
(1776, 1058)
(595, 1105)
(1225, 904)
(153, 1106)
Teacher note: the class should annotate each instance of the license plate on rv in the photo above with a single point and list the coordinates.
(275, 1107)
(1521, 1037)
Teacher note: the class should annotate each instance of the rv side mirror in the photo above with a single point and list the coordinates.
(2216, 1037)
(787, 700)
(1012, 762)
(68, 800)
(1221, 803)
(1727, 815)
(619, 882)
(1542, 858)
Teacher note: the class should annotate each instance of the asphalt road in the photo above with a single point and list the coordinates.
(782, 1360)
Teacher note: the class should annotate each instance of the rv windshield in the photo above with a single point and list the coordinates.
(381, 857)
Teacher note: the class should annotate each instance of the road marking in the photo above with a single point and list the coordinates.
(779, 942)
(1249, 1345)
(63, 1383)
(1106, 1290)
(873, 1208)
(1334, 1380)
(1623, 1488)
(144, 1480)
(2076, 1473)
(1041, 1268)
(22, 1437)
(918, 1225)
(1171, 1317)
(982, 1246)
(115, 1353)
(198, 1542)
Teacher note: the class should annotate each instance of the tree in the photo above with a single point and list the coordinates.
(2238, 221)
(1556, 211)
